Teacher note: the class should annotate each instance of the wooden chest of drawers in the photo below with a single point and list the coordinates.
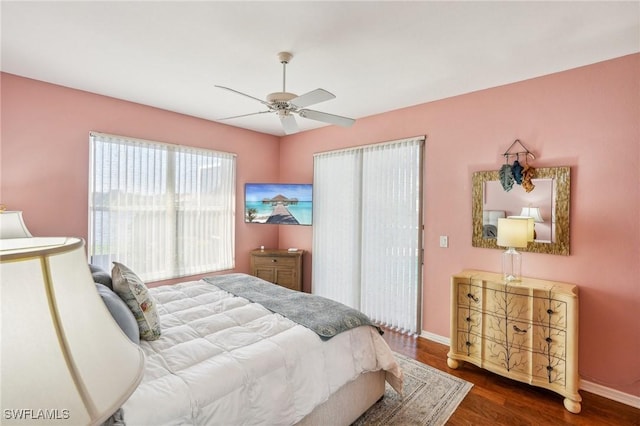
(526, 330)
(280, 267)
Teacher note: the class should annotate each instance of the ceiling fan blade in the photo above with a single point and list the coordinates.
(311, 98)
(289, 124)
(327, 118)
(242, 115)
(244, 94)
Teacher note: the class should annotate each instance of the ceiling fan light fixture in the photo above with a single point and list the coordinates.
(280, 97)
(285, 104)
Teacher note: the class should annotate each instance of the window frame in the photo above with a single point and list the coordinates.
(191, 228)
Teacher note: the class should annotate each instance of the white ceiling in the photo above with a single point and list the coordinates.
(374, 56)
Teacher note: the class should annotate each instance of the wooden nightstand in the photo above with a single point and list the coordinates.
(280, 267)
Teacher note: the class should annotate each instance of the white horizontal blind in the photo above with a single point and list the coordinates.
(163, 210)
(367, 228)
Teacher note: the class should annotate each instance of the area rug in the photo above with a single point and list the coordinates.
(430, 397)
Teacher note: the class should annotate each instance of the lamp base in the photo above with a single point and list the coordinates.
(511, 265)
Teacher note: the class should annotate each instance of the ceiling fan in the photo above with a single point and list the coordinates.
(286, 104)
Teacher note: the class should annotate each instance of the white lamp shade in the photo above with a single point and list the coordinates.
(533, 212)
(531, 226)
(61, 349)
(513, 232)
(12, 225)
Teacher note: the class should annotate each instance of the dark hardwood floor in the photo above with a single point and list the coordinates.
(495, 400)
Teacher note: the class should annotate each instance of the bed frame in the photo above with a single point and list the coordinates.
(349, 402)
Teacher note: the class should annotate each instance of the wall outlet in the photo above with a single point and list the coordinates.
(444, 241)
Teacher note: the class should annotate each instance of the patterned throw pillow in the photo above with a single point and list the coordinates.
(135, 294)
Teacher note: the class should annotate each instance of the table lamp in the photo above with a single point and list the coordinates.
(12, 225)
(512, 233)
(531, 232)
(64, 358)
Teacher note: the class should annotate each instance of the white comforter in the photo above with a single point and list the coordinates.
(222, 360)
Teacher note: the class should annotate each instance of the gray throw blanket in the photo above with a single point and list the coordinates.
(325, 317)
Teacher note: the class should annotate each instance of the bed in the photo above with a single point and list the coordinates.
(221, 358)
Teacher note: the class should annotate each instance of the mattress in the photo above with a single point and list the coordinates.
(224, 360)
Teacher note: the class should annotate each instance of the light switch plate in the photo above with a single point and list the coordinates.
(444, 241)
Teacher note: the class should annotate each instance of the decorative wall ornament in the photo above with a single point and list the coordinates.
(517, 169)
(517, 173)
(528, 173)
(506, 177)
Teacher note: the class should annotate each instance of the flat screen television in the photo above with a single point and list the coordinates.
(278, 203)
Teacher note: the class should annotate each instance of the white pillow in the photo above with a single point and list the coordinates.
(135, 294)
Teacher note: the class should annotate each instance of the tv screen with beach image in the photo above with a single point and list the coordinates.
(278, 203)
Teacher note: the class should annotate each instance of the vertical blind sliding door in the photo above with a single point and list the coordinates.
(367, 228)
(390, 234)
(336, 229)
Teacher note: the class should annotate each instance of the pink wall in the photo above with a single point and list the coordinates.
(45, 151)
(587, 118)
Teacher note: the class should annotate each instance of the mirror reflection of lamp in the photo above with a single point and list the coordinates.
(533, 212)
(513, 232)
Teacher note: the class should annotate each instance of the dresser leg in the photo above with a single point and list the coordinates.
(572, 406)
(453, 363)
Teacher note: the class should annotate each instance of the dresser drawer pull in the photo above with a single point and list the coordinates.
(468, 319)
(468, 343)
(549, 368)
(549, 311)
(518, 330)
(471, 296)
(274, 260)
(549, 339)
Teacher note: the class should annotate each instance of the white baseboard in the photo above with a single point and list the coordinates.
(585, 385)
(435, 338)
(613, 394)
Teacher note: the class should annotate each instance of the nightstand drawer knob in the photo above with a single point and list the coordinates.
(468, 319)
(549, 340)
(549, 311)
(274, 260)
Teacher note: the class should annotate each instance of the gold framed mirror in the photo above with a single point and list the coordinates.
(550, 206)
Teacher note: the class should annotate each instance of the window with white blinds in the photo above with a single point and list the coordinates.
(367, 230)
(164, 210)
